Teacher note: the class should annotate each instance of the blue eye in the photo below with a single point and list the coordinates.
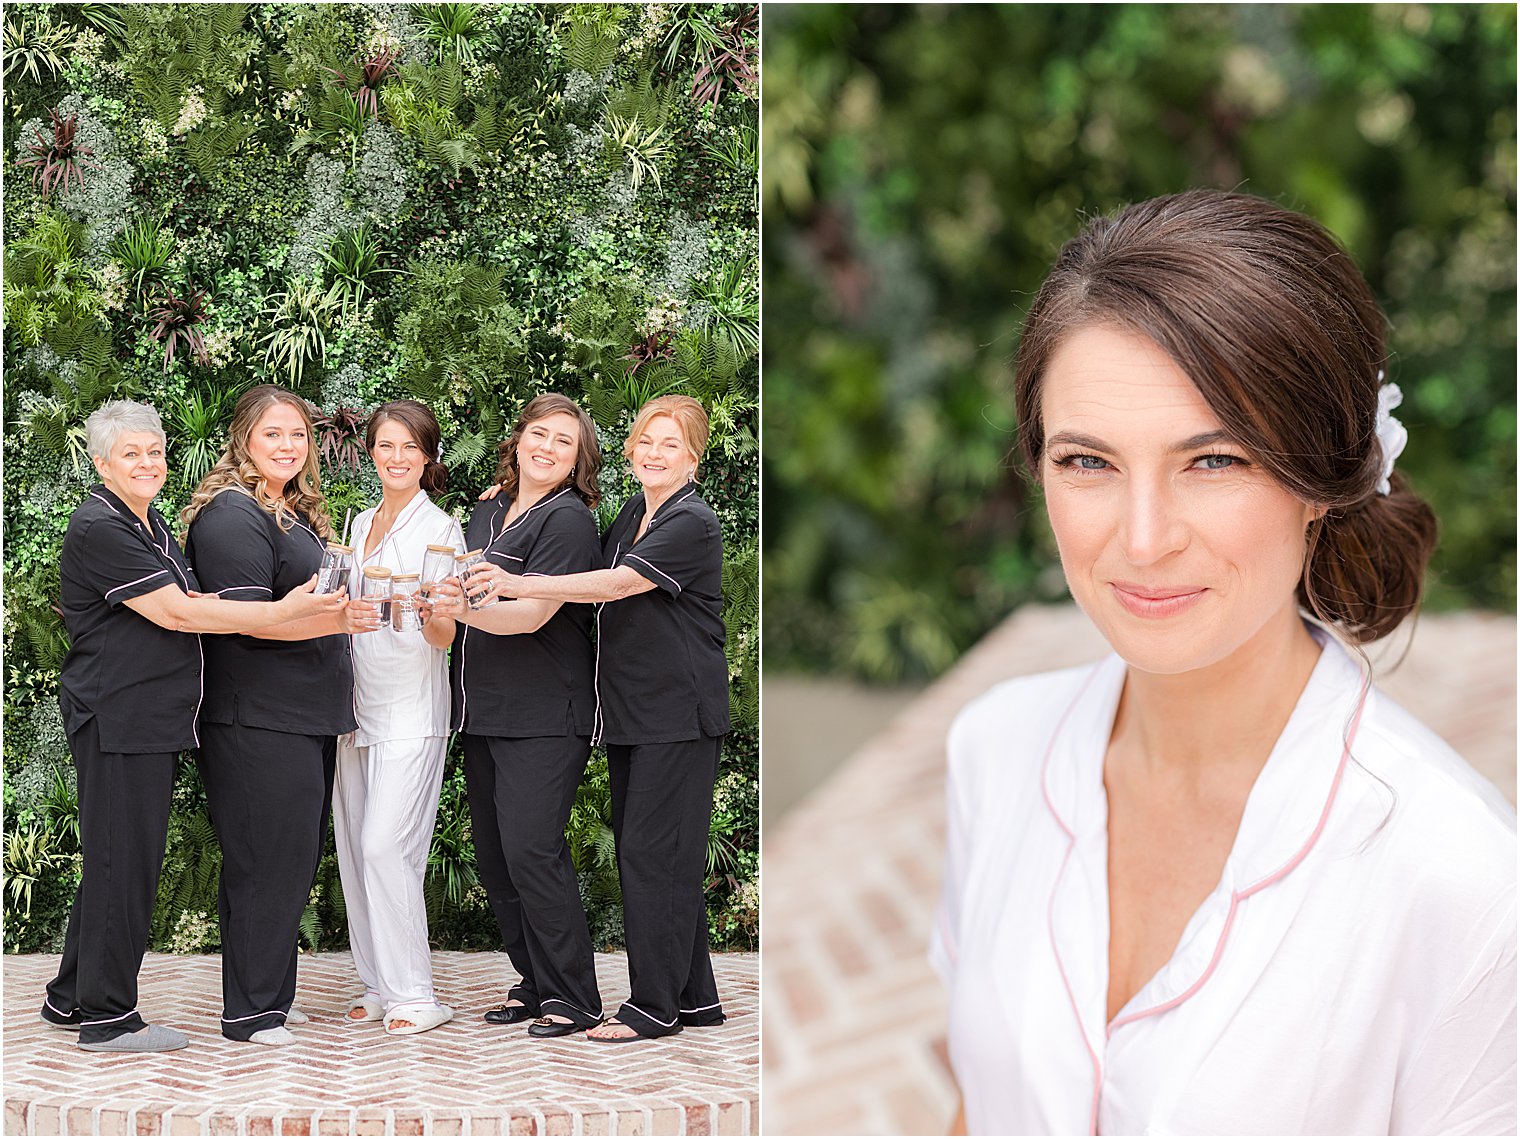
(1219, 462)
(1089, 462)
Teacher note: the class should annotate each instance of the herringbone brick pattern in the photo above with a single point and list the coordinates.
(339, 1078)
(854, 1017)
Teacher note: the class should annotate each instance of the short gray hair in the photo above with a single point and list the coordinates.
(109, 421)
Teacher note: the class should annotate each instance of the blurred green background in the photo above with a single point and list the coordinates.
(922, 165)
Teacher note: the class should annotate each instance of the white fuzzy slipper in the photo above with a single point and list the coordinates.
(423, 1019)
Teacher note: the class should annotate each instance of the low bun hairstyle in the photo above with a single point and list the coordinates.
(1274, 324)
(420, 422)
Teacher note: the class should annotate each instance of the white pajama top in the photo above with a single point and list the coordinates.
(1353, 972)
(401, 683)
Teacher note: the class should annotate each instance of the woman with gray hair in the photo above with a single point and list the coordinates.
(130, 691)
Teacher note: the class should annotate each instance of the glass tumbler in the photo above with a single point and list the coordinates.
(405, 616)
(377, 588)
(463, 565)
(437, 565)
(333, 574)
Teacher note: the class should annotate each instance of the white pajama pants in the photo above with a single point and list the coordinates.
(385, 800)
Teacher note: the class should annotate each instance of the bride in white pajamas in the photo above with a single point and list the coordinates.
(390, 769)
(1218, 884)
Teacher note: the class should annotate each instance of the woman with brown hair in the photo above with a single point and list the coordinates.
(1218, 883)
(524, 705)
(662, 710)
(391, 768)
(275, 700)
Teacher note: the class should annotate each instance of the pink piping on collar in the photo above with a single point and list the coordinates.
(1050, 907)
(1235, 899)
(1277, 875)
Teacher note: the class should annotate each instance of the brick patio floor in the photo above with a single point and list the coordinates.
(465, 1078)
(854, 1018)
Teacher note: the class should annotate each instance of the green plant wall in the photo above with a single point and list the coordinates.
(923, 165)
(467, 204)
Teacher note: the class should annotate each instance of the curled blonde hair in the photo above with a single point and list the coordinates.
(235, 468)
(689, 415)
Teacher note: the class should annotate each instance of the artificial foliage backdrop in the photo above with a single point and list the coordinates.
(924, 164)
(466, 204)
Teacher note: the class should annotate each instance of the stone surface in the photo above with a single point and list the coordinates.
(341, 1078)
(854, 1037)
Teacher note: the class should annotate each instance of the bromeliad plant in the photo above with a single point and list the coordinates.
(340, 438)
(178, 319)
(54, 162)
(733, 308)
(200, 427)
(732, 61)
(372, 72)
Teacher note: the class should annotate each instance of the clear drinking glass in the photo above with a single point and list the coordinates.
(463, 565)
(437, 564)
(405, 616)
(377, 588)
(333, 574)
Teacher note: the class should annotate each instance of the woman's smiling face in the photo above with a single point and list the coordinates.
(399, 459)
(547, 450)
(1177, 545)
(279, 444)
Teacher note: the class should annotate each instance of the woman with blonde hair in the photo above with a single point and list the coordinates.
(662, 711)
(275, 700)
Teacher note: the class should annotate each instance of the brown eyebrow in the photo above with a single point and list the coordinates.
(1091, 443)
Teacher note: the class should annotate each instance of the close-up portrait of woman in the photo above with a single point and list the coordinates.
(1139, 553)
(1219, 883)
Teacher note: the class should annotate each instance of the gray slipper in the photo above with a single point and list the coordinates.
(150, 1038)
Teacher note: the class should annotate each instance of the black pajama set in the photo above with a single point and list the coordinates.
(524, 706)
(662, 711)
(269, 728)
(129, 691)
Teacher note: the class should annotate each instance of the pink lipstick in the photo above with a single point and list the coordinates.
(1156, 601)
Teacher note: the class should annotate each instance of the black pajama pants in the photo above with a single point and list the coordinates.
(661, 811)
(521, 792)
(123, 822)
(270, 794)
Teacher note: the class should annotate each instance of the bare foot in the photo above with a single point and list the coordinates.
(357, 1013)
(399, 1024)
(611, 1030)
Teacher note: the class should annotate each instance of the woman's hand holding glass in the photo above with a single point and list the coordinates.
(486, 582)
(304, 602)
(358, 616)
(447, 599)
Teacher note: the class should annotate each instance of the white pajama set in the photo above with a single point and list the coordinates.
(390, 771)
(1353, 972)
